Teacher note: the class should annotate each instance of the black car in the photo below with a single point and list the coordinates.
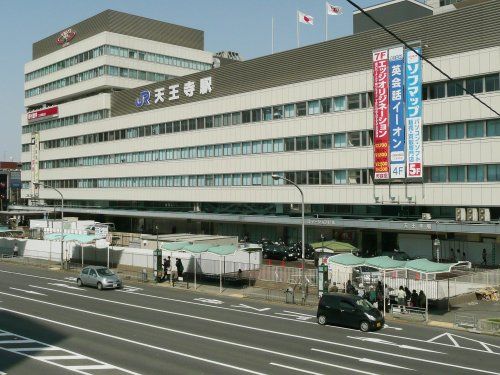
(350, 311)
(279, 252)
(308, 250)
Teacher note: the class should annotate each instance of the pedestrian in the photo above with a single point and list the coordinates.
(350, 289)
(15, 250)
(484, 258)
(408, 295)
(166, 266)
(414, 298)
(464, 257)
(452, 253)
(379, 288)
(421, 299)
(180, 268)
(372, 295)
(401, 296)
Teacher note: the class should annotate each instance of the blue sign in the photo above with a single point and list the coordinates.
(143, 99)
(396, 113)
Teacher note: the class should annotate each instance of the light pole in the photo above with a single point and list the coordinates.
(62, 218)
(278, 177)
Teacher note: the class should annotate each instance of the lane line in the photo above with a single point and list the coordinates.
(43, 348)
(5, 342)
(245, 327)
(60, 357)
(28, 291)
(296, 369)
(90, 367)
(36, 276)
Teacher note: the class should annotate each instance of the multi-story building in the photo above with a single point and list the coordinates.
(197, 152)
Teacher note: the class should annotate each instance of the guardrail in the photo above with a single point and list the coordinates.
(465, 321)
(410, 313)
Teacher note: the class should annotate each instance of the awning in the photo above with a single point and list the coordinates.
(196, 248)
(346, 260)
(385, 263)
(80, 238)
(174, 246)
(223, 250)
(426, 266)
(336, 246)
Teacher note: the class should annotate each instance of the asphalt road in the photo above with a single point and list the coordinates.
(50, 326)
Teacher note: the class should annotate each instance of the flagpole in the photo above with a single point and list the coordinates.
(326, 22)
(272, 35)
(298, 39)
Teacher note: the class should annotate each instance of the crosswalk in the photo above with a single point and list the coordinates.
(56, 356)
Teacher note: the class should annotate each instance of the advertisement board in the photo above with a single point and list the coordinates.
(35, 162)
(396, 113)
(381, 114)
(413, 97)
(43, 114)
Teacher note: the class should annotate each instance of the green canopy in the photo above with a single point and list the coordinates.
(223, 250)
(80, 238)
(339, 247)
(346, 260)
(385, 263)
(426, 266)
(174, 246)
(196, 248)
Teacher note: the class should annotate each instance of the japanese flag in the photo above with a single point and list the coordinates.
(304, 18)
(333, 10)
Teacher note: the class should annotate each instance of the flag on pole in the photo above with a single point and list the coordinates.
(304, 18)
(333, 10)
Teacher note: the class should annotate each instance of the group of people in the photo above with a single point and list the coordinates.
(411, 299)
(172, 272)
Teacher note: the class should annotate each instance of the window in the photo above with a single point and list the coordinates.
(364, 101)
(256, 115)
(301, 143)
(453, 89)
(256, 179)
(228, 149)
(246, 179)
(200, 123)
(226, 119)
(313, 107)
(236, 118)
(290, 176)
(339, 103)
(246, 148)
(267, 146)
(339, 140)
(313, 177)
(340, 177)
(313, 142)
(456, 173)
(493, 128)
(256, 147)
(227, 180)
(289, 110)
(237, 179)
(456, 131)
(367, 138)
(475, 173)
(326, 105)
(217, 121)
(475, 129)
(267, 114)
(209, 122)
(474, 85)
(289, 144)
(354, 176)
(237, 148)
(246, 117)
(301, 109)
(438, 132)
(326, 141)
(437, 90)
(353, 101)
(438, 174)
(267, 179)
(492, 82)
(301, 178)
(326, 178)
(354, 139)
(278, 145)
(278, 112)
(494, 172)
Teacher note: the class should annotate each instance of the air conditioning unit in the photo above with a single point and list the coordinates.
(460, 214)
(484, 214)
(426, 216)
(472, 214)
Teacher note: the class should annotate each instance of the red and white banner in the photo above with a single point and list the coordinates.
(333, 10)
(381, 114)
(43, 114)
(304, 18)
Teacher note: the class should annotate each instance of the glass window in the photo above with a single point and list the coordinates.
(246, 117)
(246, 179)
(475, 129)
(313, 178)
(226, 119)
(326, 105)
(456, 131)
(267, 145)
(301, 178)
(289, 110)
(201, 151)
(339, 103)
(217, 150)
(228, 149)
(278, 112)
(438, 174)
(438, 132)
(326, 177)
(340, 177)
(218, 180)
(200, 123)
(437, 90)
(209, 151)
(492, 82)
(256, 147)
(475, 173)
(217, 121)
(494, 172)
(227, 180)
(289, 176)
(340, 140)
(353, 101)
(313, 107)
(209, 180)
(236, 118)
(267, 114)
(301, 143)
(453, 89)
(367, 138)
(364, 101)
(354, 139)
(256, 115)
(256, 179)
(278, 145)
(474, 85)
(290, 144)
(456, 173)
(493, 128)
(313, 142)
(246, 148)
(237, 148)
(326, 141)
(354, 176)
(237, 179)
(301, 109)
(267, 179)
(209, 122)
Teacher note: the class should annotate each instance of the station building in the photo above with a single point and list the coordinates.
(135, 123)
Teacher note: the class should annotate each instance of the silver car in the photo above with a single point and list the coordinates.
(99, 277)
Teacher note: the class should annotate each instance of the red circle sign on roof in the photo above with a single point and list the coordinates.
(65, 37)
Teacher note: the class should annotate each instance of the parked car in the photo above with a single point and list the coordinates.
(99, 277)
(308, 250)
(280, 252)
(350, 311)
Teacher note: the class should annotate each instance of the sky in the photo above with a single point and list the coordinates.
(237, 25)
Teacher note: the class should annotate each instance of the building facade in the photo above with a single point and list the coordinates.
(194, 149)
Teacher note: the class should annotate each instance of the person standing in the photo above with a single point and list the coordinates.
(421, 299)
(452, 253)
(350, 289)
(484, 262)
(15, 250)
(166, 266)
(401, 296)
(414, 298)
(464, 258)
(180, 267)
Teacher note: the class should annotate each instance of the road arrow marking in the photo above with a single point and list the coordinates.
(70, 278)
(385, 342)
(66, 286)
(396, 328)
(28, 291)
(296, 315)
(211, 301)
(242, 306)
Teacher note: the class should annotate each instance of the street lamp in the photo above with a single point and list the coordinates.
(278, 177)
(62, 217)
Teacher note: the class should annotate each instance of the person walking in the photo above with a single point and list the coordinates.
(180, 267)
(15, 250)
(464, 258)
(350, 289)
(414, 298)
(401, 296)
(166, 267)
(452, 253)
(421, 299)
(484, 262)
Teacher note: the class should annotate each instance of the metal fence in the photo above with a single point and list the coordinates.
(289, 275)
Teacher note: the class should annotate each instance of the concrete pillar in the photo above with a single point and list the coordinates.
(379, 241)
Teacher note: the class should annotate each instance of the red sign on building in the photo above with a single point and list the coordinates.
(381, 114)
(43, 114)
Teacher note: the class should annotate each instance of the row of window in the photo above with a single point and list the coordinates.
(463, 173)
(460, 130)
(448, 2)
(66, 121)
(319, 177)
(97, 72)
(117, 51)
(476, 85)
(311, 142)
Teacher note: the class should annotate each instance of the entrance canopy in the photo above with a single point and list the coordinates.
(335, 246)
(80, 238)
(200, 248)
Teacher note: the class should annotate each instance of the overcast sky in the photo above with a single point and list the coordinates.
(237, 25)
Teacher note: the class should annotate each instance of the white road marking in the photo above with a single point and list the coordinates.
(390, 327)
(296, 369)
(59, 357)
(296, 315)
(364, 349)
(452, 337)
(135, 342)
(208, 300)
(242, 306)
(70, 278)
(128, 289)
(365, 360)
(385, 342)
(19, 341)
(28, 291)
(90, 367)
(34, 276)
(66, 286)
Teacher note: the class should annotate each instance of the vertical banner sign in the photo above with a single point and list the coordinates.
(396, 113)
(381, 114)
(413, 93)
(35, 163)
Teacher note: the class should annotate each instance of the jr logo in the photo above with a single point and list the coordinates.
(143, 98)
